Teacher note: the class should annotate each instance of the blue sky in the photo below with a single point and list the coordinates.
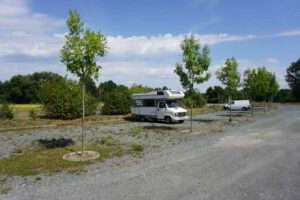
(144, 36)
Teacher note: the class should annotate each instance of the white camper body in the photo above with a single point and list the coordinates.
(238, 105)
(160, 105)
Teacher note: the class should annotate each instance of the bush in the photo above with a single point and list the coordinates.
(117, 102)
(33, 114)
(199, 100)
(137, 147)
(6, 111)
(62, 99)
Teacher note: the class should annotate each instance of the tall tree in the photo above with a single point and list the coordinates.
(230, 77)
(82, 47)
(293, 78)
(194, 66)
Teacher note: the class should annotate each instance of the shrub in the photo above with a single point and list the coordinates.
(33, 114)
(117, 102)
(137, 147)
(199, 100)
(6, 111)
(62, 99)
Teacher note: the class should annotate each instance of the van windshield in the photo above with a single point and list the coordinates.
(172, 104)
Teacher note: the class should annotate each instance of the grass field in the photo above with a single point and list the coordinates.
(22, 119)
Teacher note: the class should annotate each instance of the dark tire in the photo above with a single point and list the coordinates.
(142, 119)
(168, 120)
(181, 121)
(244, 109)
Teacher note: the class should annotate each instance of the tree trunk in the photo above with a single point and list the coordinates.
(230, 112)
(82, 119)
(264, 107)
(252, 106)
(191, 124)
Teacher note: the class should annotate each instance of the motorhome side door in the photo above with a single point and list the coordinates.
(161, 109)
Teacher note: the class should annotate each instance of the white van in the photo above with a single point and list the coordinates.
(238, 105)
(158, 105)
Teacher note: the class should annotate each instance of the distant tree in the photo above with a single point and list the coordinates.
(196, 98)
(284, 96)
(293, 78)
(135, 88)
(215, 94)
(3, 91)
(117, 101)
(90, 86)
(105, 88)
(260, 84)
(162, 88)
(230, 77)
(25, 88)
(194, 66)
(79, 54)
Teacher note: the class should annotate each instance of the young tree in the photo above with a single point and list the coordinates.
(194, 68)
(230, 77)
(79, 54)
(259, 83)
(293, 78)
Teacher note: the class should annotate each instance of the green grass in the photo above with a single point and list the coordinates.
(137, 147)
(40, 160)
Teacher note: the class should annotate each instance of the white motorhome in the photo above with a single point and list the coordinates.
(158, 105)
(238, 105)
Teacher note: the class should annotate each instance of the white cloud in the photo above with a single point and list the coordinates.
(288, 33)
(162, 44)
(16, 15)
(25, 33)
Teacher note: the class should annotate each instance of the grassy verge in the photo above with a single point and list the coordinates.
(22, 124)
(42, 160)
(206, 109)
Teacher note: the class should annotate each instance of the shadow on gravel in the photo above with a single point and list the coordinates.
(162, 128)
(55, 143)
(232, 115)
(207, 120)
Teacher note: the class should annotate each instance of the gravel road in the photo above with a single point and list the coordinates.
(257, 159)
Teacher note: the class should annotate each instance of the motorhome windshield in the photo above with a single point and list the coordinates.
(172, 104)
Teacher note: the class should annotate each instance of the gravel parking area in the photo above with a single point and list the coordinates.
(249, 158)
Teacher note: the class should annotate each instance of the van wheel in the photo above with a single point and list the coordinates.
(168, 120)
(181, 121)
(142, 119)
(244, 109)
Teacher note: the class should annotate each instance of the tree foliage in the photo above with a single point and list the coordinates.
(135, 88)
(82, 47)
(195, 64)
(61, 99)
(105, 88)
(25, 88)
(260, 84)
(293, 78)
(229, 76)
(117, 101)
(215, 94)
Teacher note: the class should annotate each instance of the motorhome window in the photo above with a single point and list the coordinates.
(160, 93)
(172, 104)
(138, 102)
(149, 103)
(162, 104)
